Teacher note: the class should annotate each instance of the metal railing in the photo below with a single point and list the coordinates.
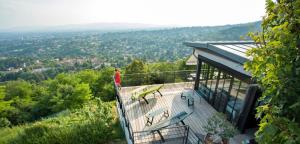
(178, 133)
(193, 138)
(137, 79)
(123, 116)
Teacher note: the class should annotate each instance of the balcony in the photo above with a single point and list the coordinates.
(133, 112)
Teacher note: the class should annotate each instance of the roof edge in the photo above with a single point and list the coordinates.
(209, 45)
(217, 42)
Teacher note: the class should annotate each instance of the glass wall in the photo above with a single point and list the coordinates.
(236, 100)
(223, 91)
(208, 81)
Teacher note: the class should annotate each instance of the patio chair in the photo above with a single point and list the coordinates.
(167, 122)
(151, 90)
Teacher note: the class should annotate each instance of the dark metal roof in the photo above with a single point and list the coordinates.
(232, 50)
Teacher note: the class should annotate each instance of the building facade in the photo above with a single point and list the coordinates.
(222, 81)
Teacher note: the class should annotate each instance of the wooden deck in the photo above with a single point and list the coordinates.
(136, 110)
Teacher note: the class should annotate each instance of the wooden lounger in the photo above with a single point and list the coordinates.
(150, 116)
(151, 90)
(167, 122)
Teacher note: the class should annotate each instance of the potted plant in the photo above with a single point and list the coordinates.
(219, 128)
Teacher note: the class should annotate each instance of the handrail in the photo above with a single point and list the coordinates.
(168, 130)
(157, 77)
(194, 136)
(122, 107)
(158, 72)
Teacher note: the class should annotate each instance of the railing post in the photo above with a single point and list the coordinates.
(197, 80)
(147, 78)
(187, 134)
(174, 77)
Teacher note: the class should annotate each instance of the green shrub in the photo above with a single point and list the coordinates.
(96, 122)
(4, 122)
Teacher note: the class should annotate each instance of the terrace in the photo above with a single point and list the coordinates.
(133, 113)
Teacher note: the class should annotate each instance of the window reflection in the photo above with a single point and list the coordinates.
(223, 91)
(236, 100)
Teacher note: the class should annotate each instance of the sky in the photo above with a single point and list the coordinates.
(34, 13)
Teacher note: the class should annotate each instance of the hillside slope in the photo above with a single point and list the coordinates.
(96, 122)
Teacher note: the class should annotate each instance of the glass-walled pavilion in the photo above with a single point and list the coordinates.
(222, 81)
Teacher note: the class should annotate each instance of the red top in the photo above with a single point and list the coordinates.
(118, 77)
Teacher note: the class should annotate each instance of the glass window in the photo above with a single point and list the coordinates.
(208, 81)
(236, 100)
(212, 83)
(221, 94)
(224, 92)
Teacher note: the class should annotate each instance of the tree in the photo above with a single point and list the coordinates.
(18, 88)
(67, 92)
(276, 66)
(135, 73)
(88, 76)
(18, 101)
(103, 87)
(137, 66)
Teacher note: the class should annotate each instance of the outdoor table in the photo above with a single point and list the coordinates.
(188, 95)
(190, 99)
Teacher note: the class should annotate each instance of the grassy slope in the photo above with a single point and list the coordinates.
(96, 122)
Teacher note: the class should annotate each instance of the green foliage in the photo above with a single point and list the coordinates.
(16, 89)
(73, 117)
(88, 76)
(95, 122)
(67, 92)
(21, 101)
(136, 66)
(103, 87)
(218, 125)
(276, 66)
(4, 122)
(16, 103)
(3, 104)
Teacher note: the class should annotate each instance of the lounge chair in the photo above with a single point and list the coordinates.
(150, 116)
(151, 90)
(167, 122)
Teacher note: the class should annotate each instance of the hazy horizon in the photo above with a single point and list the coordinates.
(49, 13)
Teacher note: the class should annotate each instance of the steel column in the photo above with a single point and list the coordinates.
(197, 80)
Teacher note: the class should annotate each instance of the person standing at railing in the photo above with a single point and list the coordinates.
(118, 78)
